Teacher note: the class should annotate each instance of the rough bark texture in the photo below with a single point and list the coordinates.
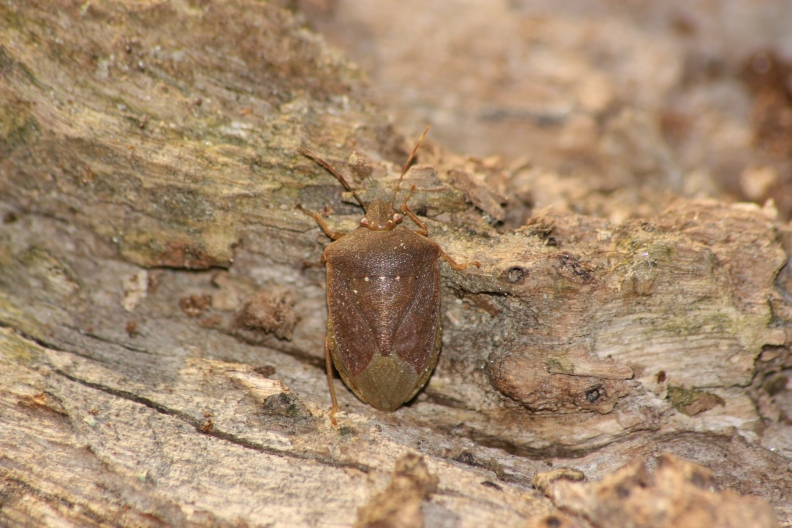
(162, 319)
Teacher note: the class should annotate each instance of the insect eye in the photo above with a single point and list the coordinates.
(364, 221)
(397, 218)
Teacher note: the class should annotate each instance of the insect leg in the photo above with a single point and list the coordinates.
(406, 210)
(334, 235)
(329, 362)
(337, 174)
(456, 266)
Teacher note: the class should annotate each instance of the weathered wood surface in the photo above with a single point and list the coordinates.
(161, 340)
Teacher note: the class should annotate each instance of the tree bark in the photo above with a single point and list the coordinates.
(163, 318)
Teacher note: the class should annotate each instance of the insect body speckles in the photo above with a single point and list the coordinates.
(383, 333)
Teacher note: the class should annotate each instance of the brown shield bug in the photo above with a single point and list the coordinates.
(383, 298)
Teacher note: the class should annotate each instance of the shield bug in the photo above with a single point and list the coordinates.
(383, 298)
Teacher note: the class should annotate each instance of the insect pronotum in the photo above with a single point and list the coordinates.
(383, 297)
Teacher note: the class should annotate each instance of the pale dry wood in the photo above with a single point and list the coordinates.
(139, 157)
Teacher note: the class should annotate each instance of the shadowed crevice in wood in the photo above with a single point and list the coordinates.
(14, 488)
(215, 433)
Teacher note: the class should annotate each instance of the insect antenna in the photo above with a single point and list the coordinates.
(407, 166)
(335, 173)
